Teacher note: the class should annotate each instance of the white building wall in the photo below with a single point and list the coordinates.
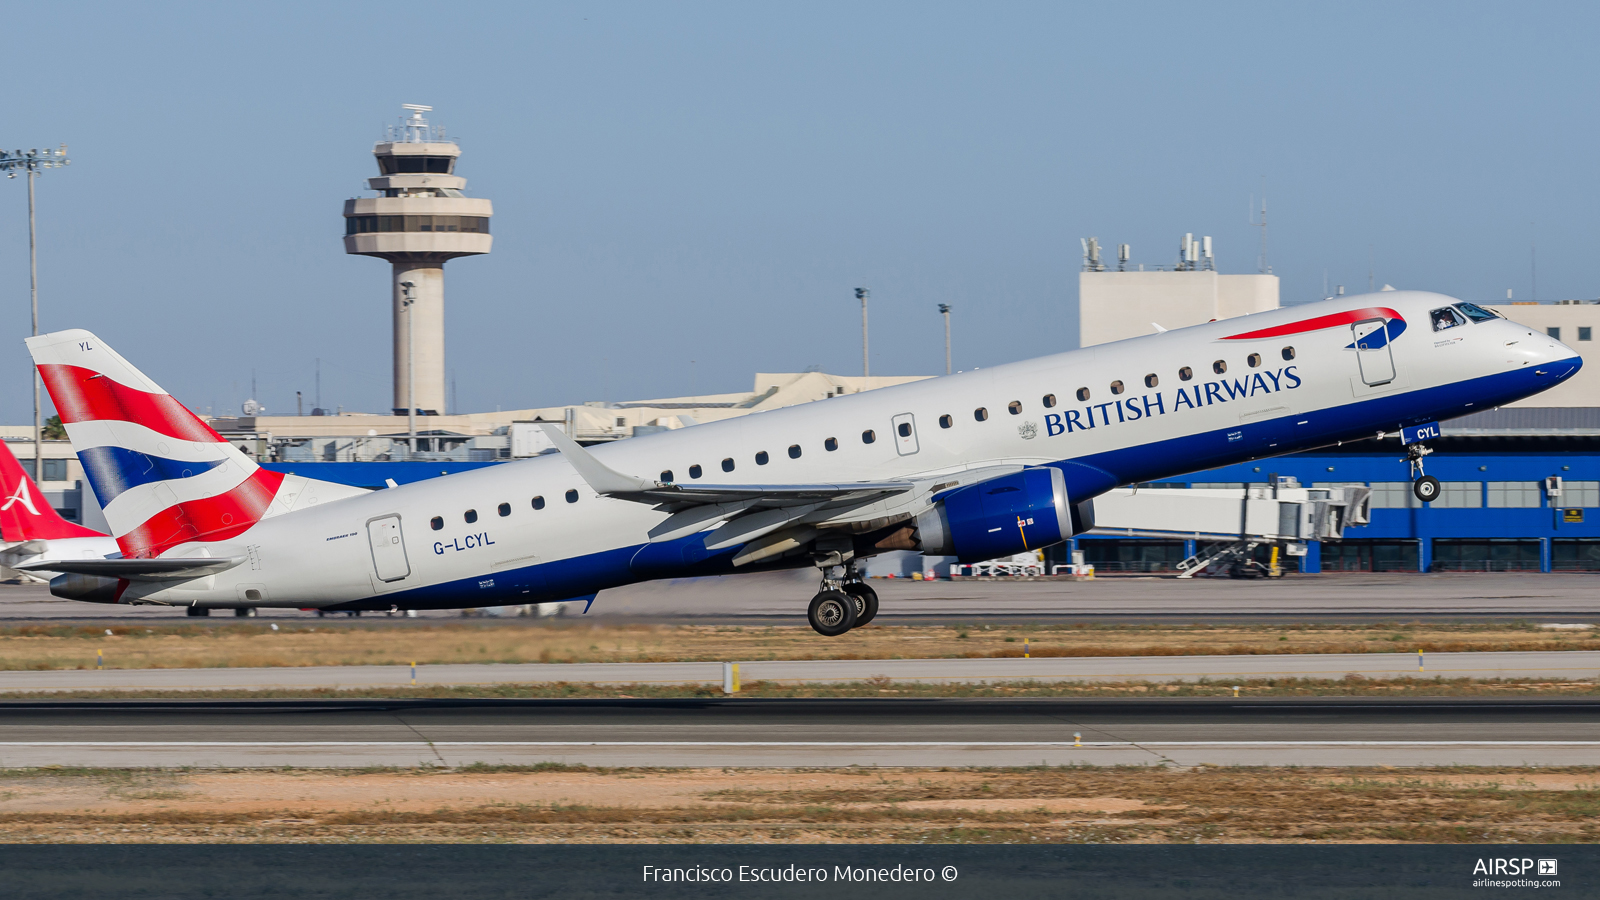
(1115, 306)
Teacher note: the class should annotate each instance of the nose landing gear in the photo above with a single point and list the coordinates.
(1424, 486)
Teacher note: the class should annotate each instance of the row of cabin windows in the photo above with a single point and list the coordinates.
(980, 414)
(504, 509)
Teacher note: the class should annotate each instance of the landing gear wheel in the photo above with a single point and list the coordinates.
(1426, 488)
(832, 613)
(866, 601)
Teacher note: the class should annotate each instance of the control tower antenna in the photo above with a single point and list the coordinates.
(419, 219)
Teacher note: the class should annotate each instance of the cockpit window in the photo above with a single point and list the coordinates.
(1445, 317)
(1475, 312)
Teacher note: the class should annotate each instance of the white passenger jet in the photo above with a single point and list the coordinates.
(975, 465)
(32, 532)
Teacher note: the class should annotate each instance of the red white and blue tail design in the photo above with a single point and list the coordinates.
(162, 476)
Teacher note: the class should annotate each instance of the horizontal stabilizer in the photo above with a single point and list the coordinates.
(136, 569)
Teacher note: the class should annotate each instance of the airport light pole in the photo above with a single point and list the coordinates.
(32, 163)
(862, 294)
(944, 310)
(408, 297)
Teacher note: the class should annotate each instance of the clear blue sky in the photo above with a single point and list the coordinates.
(707, 182)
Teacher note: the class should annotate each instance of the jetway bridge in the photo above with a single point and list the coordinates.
(1228, 524)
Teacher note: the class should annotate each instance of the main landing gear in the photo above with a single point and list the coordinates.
(846, 601)
(1424, 486)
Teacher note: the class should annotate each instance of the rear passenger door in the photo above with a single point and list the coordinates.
(388, 549)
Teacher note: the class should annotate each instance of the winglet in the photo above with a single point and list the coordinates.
(601, 477)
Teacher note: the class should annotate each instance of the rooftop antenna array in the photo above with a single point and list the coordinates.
(1123, 253)
(1195, 255)
(1091, 255)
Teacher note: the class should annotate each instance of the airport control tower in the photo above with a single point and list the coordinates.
(419, 219)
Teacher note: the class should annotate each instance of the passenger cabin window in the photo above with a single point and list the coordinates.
(904, 428)
(1151, 380)
(727, 464)
(1475, 312)
(471, 516)
(1185, 374)
(538, 503)
(868, 437)
(436, 523)
(1254, 360)
(1219, 367)
(761, 458)
(1288, 353)
(504, 509)
(831, 444)
(1446, 317)
(1116, 387)
(981, 414)
(1015, 407)
(694, 471)
(1049, 401)
(666, 476)
(794, 451)
(945, 421)
(572, 496)
(1083, 394)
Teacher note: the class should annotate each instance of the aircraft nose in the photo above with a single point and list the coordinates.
(1557, 359)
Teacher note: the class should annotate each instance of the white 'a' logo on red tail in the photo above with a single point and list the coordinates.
(20, 495)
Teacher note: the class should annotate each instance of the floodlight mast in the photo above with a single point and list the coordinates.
(944, 310)
(33, 162)
(866, 368)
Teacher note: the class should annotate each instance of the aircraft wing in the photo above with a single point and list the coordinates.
(611, 483)
(136, 569)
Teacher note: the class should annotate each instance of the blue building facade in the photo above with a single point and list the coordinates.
(1496, 512)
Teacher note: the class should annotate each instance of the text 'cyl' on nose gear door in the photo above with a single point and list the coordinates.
(905, 434)
(1373, 354)
(388, 548)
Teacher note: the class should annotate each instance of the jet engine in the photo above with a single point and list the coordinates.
(1014, 513)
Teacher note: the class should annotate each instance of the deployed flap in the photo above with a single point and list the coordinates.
(136, 569)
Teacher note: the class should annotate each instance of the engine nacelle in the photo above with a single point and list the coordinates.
(1011, 514)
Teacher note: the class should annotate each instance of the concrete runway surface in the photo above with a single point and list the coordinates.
(828, 733)
(781, 597)
(1570, 665)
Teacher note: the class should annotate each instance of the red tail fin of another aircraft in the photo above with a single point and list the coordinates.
(24, 513)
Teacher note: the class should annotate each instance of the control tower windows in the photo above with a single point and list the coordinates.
(371, 224)
(416, 165)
